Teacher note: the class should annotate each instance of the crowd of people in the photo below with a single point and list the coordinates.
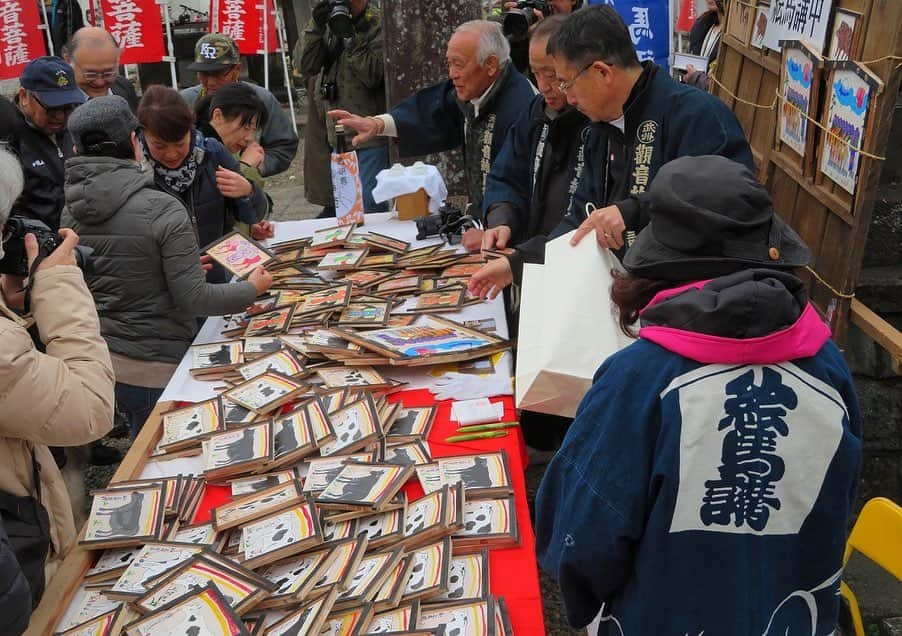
(723, 445)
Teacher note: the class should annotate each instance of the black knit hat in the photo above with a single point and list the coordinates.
(710, 216)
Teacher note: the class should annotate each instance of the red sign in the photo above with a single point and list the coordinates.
(688, 13)
(21, 39)
(242, 20)
(137, 25)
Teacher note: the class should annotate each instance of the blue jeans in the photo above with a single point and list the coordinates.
(137, 402)
(372, 161)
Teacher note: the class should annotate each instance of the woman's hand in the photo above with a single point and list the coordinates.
(253, 155)
(263, 230)
(261, 279)
(231, 184)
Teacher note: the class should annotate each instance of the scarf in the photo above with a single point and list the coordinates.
(177, 179)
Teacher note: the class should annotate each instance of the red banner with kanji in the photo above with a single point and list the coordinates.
(688, 14)
(137, 25)
(21, 39)
(242, 20)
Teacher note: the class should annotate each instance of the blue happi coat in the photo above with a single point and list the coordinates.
(663, 120)
(706, 483)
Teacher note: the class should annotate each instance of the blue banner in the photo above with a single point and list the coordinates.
(649, 24)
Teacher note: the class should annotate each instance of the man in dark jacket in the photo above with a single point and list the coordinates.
(347, 59)
(473, 109)
(529, 188)
(217, 63)
(94, 56)
(641, 119)
(35, 128)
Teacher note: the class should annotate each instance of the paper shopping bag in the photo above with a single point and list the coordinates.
(567, 326)
(347, 189)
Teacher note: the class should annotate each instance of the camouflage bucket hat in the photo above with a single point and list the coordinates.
(214, 52)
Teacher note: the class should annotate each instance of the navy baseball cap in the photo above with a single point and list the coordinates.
(53, 81)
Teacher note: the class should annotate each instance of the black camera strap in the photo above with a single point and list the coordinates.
(31, 272)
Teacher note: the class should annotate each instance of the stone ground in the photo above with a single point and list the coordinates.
(879, 594)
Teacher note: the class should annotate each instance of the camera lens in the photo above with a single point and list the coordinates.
(516, 23)
(340, 20)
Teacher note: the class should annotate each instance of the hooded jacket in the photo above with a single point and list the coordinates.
(707, 481)
(147, 280)
(63, 397)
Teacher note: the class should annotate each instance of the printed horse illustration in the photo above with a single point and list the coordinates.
(223, 356)
(123, 520)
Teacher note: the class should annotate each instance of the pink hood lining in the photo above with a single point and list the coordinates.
(802, 339)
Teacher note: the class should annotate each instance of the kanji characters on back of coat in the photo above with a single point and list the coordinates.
(710, 471)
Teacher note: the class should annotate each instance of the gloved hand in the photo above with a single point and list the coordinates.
(463, 386)
(321, 12)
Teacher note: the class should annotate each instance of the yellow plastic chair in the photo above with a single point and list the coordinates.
(878, 536)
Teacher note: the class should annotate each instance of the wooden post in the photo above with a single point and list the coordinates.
(416, 36)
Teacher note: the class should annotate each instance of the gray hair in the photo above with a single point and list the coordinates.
(11, 181)
(491, 40)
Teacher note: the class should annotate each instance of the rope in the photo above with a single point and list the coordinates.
(726, 90)
(835, 291)
(829, 132)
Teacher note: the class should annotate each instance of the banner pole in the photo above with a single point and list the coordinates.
(46, 26)
(265, 9)
(164, 7)
(283, 45)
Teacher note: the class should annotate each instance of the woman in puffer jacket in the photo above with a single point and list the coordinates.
(147, 280)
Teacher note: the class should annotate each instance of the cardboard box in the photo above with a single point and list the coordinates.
(412, 206)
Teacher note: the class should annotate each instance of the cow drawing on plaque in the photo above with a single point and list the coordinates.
(123, 520)
(240, 450)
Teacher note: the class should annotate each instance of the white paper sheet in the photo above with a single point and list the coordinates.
(183, 387)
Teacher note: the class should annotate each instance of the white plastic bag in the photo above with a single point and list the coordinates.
(567, 325)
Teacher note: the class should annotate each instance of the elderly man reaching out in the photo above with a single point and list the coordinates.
(473, 109)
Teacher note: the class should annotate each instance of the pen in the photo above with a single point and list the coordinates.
(472, 436)
(477, 428)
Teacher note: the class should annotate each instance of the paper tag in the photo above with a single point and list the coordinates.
(478, 411)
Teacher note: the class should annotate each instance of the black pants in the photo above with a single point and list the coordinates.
(544, 432)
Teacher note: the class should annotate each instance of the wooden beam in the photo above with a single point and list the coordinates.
(877, 328)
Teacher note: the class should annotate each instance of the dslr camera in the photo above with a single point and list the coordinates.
(516, 22)
(15, 260)
(328, 91)
(450, 223)
(339, 20)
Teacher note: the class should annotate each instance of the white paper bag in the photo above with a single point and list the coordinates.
(567, 325)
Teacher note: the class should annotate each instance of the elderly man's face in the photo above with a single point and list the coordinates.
(96, 63)
(50, 121)
(542, 66)
(212, 81)
(470, 79)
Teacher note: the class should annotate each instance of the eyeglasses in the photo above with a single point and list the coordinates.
(566, 86)
(65, 109)
(93, 76)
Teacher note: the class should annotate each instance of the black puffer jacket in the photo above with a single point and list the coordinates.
(147, 281)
